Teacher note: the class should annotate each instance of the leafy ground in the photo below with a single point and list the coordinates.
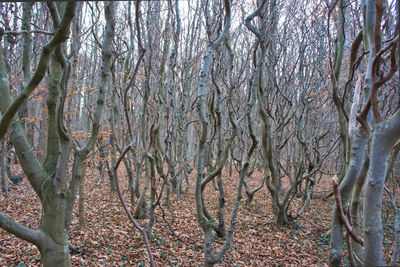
(110, 240)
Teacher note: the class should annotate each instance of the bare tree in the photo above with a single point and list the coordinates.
(50, 181)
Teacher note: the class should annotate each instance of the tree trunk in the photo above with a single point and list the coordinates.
(138, 172)
(131, 183)
(54, 254)
(4, 186)
(356, 206)
(359, 141)
(141, 206)
(81, 205)
(152, 174)
(385, 136)
(53, 244)
(281, 218)
(111, 177)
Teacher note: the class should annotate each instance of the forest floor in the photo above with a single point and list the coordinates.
(109, 239)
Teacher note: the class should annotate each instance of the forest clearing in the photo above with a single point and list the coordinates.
(200, 133)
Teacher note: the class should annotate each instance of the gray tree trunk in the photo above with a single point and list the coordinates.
(4, 184)
(385, 136)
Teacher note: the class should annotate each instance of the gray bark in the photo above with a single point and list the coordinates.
(26, 52)
(385, 136)
(4, 184)
(359, 141)
(356, 208)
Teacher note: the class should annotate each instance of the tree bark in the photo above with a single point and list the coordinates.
(385, 136)
(4, 186)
